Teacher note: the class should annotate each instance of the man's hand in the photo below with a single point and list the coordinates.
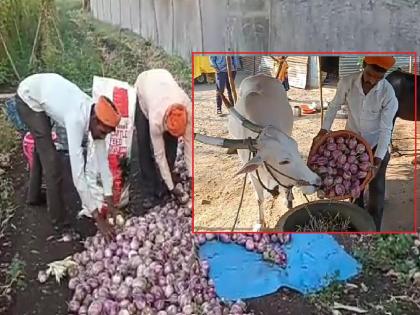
(104, 227)
(376, 165)
(110, 204)
(320, 134)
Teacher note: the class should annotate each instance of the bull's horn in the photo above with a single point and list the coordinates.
(225, 143)
(245, 122)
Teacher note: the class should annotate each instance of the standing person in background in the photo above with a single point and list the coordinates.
(164, 114)
(283, 74)
(222, 79)
(48, 96)
(372, 106)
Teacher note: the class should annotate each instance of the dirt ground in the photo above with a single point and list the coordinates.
(29, 240)
(217, 192)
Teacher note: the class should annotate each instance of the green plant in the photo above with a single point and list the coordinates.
(15, 276)
(332, 293)
(389, 252)
(8, 145)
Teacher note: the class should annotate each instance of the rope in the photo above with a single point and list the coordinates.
(242, 197)
(274, 192)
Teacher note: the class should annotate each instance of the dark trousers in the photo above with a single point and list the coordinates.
(376, 194)
(45, 159)
(286, 84)
(153, 185)
(222, 81)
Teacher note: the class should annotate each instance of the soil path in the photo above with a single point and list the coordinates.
(30, 244)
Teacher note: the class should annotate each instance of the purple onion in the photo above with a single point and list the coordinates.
(339, 190)
(364, 166)
(355, 192)
(346, 176)
(361, 174)
(364, 157)
(336, 154)
(347, 185)
(73, 306)
(328, 181)
(322, 170)
(330, 140)
(341, 160)
(353, 168)
(95, 308)
(313, 158)
(352, 143)
(322, 161)
(360, 148)
(225, 238)
(339, 140)
(249, 245)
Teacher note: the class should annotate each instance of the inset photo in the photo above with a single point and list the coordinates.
(287, 142)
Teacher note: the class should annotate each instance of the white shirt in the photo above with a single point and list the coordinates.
(157, 90)
(370, 115)
(65, 103)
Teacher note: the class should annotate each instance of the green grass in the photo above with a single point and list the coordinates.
(15, 276)
(8, 145)
(8, 135)
(95, 48)
(386, 252)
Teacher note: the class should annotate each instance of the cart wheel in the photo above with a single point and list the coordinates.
(201, 79)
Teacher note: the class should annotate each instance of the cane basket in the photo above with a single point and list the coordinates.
(346, 134)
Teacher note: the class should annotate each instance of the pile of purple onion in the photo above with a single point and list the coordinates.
(343, 165)
(270, 246)
(152, 267)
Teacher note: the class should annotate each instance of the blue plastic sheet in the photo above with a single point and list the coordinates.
(314, 260)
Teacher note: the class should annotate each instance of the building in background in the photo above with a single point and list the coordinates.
(303, 70)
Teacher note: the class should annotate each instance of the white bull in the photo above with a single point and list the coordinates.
(263, 101)
(263, 113)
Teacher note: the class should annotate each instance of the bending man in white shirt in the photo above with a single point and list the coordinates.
(45, 96)
(372, 106)
(163, 116)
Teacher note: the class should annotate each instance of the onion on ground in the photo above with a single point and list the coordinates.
(153, 267)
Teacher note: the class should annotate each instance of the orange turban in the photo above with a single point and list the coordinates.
(176, 120)
(107, 113)
(385, 62)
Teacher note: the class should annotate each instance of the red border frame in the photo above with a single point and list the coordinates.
(284, 53)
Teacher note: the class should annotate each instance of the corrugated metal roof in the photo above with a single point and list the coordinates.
(352, 64)
(415, 63)
(298, 68)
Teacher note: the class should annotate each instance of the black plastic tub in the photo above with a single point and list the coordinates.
(359, 219)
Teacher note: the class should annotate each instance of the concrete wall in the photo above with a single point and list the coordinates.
(182, 26)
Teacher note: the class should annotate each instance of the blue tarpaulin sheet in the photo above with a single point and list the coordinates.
(313, 261)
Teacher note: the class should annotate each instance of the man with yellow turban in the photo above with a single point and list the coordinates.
(372, 106)
(45, 96)
(164, 114)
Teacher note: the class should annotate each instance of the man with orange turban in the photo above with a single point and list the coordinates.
(372, 106)
(45, 96)
(163, 116)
